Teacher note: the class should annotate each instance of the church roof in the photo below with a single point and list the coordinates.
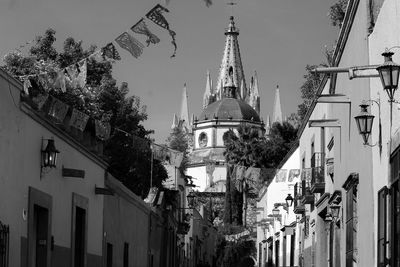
(230, 108)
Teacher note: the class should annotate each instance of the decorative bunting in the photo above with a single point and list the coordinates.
(58, 109)
(141, 28)
(210, 167)
(27, 85)
(293, 173)
(129, 43)
(109, 51)
(40, 100)
(281, 176)
(77, 74)
(155, 15)
(160, 152)
(78, 120)
(267, 174)
(175, 157)
(103, 129)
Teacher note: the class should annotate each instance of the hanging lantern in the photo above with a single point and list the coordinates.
(364, 122)
(335, 212)
(49, 155)
(389, 74)
(275, 212)
(190, 198)
(289, 200)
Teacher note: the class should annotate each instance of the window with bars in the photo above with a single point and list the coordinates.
(306, 226)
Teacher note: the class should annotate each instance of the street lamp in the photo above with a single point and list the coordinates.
(190, 198)
(389, 74)
(335, 212)
(49, 155)
(275, 212)
(289, 200)
(364, 122)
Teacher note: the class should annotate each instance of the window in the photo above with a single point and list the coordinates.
(351, 226)
(126, 254)
(395, 224)
(382, 215)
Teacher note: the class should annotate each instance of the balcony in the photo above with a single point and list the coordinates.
(317, 173)
(306, 196)
(298, 207)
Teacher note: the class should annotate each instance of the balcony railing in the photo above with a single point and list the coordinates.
(318, 173)
(298, 206)
(306, 196)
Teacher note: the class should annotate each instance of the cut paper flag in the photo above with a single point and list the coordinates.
(141, 28)
(27, 85)
(175, 158)
(293, 173)
(129, 43)
(103, 130)
(156, 16)
(159, 152)
(78, 120)
(267, 174)
(77, 74)
(40, 100)
(210, 167)
(58, 109)
(109, 51)
(57, 80)
(281, 176)
(253, 177)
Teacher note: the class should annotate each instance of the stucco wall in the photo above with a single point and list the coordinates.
(20, 146)
(126, 219)
(386, 34)
(351, 156)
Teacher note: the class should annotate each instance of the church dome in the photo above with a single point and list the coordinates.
(229, 109)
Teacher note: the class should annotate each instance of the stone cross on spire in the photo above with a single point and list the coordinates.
(231, 62)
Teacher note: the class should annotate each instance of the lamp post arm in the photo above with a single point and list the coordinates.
(368, 71)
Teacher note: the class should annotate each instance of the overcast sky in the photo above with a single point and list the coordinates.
(277, 39)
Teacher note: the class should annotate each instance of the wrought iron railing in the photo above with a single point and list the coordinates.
(318, 173)
(4, 244)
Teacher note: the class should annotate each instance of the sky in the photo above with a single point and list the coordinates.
(278, 38)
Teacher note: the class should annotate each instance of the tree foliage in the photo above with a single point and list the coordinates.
(127, 150)
(308, 89)
(337, 12)
(179, 140)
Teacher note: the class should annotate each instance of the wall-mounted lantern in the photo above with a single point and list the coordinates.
(364, 122)
(289, 200)
(389, 74)
(49, 155)
(335, 209)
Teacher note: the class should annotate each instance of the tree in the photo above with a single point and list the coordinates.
(337, 12)
(127, 150)
(308, 90)
(179, 140)
(244, 149)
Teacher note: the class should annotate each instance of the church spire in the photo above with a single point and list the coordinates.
(254, 94)
(208, 91)
(277, 114)
(184, 115)
(231, 69)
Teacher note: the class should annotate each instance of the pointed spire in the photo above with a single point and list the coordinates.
(277, 114)
(268, 126)
(256, 94)
(175, 122)
(242, 90)
(208, 91)
(231, 60)
(184, 116)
